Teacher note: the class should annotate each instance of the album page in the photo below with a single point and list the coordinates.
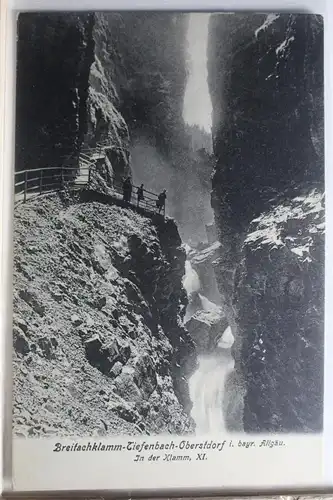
(169, 244)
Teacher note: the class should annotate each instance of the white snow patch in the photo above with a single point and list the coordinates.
(306, 342)
(269, 235)
(269, 20)
(269, 226)
(279, 215)
(300, 250)
(284, 45)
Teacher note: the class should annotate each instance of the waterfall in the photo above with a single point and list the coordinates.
(207, 387)
(207, 384)
(191, 281)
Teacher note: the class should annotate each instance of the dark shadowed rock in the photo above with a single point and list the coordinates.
(202, 262)
(279, 303)
(29, 296)
(21, 343)
(52, 82)
(47, 347)
(266, 84)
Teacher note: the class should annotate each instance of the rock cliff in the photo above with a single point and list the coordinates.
(152, 75)
(203, 263)
(116, 80)
(99, 345)
(279, 311)
(54, 55)
(266, 83)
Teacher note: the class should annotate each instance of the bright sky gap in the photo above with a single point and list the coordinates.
(197, 103)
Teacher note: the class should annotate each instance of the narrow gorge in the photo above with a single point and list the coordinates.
(209, 320)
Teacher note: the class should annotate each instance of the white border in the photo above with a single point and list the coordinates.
(316, 6)
(7, 140)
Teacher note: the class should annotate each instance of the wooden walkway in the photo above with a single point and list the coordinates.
(37, 182)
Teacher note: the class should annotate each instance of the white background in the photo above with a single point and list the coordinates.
(7, 81)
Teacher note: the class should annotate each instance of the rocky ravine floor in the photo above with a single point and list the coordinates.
(88, 358)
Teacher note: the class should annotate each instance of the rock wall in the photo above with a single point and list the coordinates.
(151, 75)
(54, 55)
(86, 80)
(266, 84)
(106, 125)
(99, 346)
(116, 80)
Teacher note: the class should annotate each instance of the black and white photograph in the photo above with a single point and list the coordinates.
(169, 224)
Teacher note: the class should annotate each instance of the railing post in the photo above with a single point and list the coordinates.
(25, 185)
(89, 175)
(41, 181)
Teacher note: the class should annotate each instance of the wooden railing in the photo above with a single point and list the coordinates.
(39, 181)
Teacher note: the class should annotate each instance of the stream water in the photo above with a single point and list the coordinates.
(207, 389)
(207, 384)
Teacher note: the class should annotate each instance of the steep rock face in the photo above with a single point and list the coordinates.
(106, 125)
(116, 81)
(54, 55)
(98, 347)
(150, 78)
(149, 70)
(279, 302)
(66, 72)
(266, 83)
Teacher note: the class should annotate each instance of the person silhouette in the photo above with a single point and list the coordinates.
(127, 190)
(161, 200)
(139, 194)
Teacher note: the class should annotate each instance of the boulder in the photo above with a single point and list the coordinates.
(206, 328)
(203, 263)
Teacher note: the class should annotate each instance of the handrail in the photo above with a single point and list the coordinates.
(79, 175)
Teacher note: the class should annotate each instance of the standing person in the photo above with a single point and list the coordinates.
(140, 194)
(130, 187)
(127, 190)
(161, 200)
